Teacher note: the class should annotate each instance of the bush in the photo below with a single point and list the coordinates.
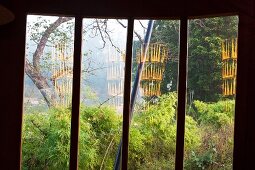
(46, 138)
(216, 114)
(105, 124)
(216, 129)
(208, 141)
(153, 135)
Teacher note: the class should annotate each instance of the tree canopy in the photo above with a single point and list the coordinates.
(204, 53)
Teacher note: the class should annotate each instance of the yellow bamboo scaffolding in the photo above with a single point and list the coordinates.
(152, 74)
(229, 66)
(62, 73)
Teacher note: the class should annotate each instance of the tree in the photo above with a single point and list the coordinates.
(45, 33)
(204, 53)
(167, 32)
(206, 36)
(33, 69)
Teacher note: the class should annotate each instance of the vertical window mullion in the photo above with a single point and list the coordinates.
(182, 85)
(76, 94)
(127, 90)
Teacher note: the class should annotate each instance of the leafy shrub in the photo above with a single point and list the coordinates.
(105, 124)
(216, 130)
(153, 135)
(46, 138)
(208, 143)
(215, 151)
(216, 114)
(201, 161)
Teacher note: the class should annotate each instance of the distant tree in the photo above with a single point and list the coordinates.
(204, 53)
(167, 32)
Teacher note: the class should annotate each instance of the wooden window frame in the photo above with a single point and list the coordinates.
(182, 88)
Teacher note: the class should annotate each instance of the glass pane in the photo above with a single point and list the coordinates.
(212, 64)
(102, 85)
(153, 127)
(47, 92)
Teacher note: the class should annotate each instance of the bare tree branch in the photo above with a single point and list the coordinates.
(142, 24)
(106, 152)
(200, 23)
(38, 127)
(110, 40)
(91, 70)
(124, 26)
(112, 97)
(98, 27)
(137, 35)
(101, 34)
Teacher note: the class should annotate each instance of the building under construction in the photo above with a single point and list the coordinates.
(154, 67)
(62, 74)
(115, 80)
(229, 67)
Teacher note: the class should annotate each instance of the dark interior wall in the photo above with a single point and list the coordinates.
(125, 8)
(245, 111)
(12, 38)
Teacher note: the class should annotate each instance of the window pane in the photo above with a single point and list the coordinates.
(153, 127)
(212, 64)
(102, 88)
(47, 92)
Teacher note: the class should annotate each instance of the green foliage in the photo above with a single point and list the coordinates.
(167, 32)
(46, 138)
(216, 129)
(208, 137)
(205, 36)
(105, 124)
(38, 24)
(153, 135)
(192, 134)
(215, 151)
(204, 53)
(216, 114)
(201, 161)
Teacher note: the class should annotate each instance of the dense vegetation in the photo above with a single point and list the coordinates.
(204, 53)
(208, 139)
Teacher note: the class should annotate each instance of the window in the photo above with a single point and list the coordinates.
(92, 64)
(211, 87)
(48, 92)
(152, 138)
(102, 89)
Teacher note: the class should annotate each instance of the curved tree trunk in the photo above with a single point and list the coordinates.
(41, 83)
(33, 70)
